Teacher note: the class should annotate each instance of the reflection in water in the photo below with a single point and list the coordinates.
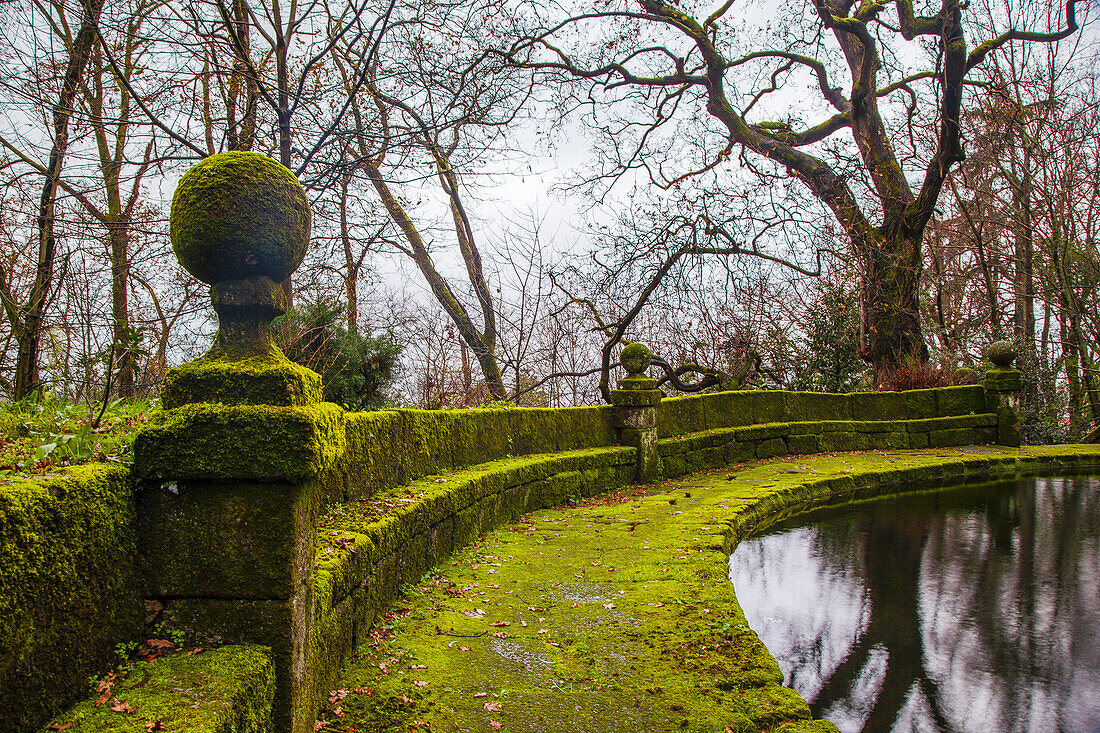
(974, 609)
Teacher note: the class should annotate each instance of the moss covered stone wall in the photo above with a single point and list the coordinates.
(391, 447)
(68, 589)
(684, 415)
(725, 428)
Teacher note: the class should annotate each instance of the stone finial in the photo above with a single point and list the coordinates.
(240, 223)
(1001, 354)
(636, 358)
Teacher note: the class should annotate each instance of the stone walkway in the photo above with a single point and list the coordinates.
(615, 614)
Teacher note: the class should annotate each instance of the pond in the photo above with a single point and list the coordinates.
(967, 609)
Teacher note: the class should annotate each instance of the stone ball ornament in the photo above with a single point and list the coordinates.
(635, 358)
(1001, 354)
(239, 215)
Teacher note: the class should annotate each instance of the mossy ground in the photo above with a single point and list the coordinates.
(617, 614)
(224, 690)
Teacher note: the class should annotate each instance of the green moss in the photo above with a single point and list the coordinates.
(960, 400)
(681, 415)
(815, 406)
(730, 409)
(259, 380)
(583, 427)
(224, 690)
(770, 407)
(770, 448)
(223, 442)
(920, 403)
(238, 215)
(879, 406)
(230, 540)
(834, 442)
(1003, 380)
(530, 431)
(952, 436)
(635, 358)
(802, 444)
(68, 590)
(373, 459)
(761, 432)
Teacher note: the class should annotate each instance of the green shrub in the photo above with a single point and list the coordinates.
(356, 370)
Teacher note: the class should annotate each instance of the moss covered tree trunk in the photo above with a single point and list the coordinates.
(891, 328)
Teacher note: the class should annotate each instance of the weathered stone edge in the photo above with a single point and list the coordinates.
(225, 690)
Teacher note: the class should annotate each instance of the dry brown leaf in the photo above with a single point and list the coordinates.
(59, 726)
(496, 724)
(492, 707)
(122, 707)
(154, 725)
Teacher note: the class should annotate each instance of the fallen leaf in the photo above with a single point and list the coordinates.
(492, 707)
(501, 623)
(496, 724)
(59, 726)
(464, 648)
(420, 683)
(154, 725)
(122, 707)
(193, 652)
(481, 694)
(364, 691)
(160, 644)
(320, 725)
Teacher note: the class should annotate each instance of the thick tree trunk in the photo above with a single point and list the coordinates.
(892, 334)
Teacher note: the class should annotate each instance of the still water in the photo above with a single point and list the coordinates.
(970, 609)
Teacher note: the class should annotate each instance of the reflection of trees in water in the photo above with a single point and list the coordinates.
(983, 604)
(1012, 623)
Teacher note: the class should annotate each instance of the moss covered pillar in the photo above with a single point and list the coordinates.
(635, 417)
(1003, 386)
(231, 473)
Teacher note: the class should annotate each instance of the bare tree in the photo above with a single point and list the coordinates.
(852, 155)
(26, 318)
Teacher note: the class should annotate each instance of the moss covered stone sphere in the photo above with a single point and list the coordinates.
(1001, 353)
(635, 358)
(238, 215)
